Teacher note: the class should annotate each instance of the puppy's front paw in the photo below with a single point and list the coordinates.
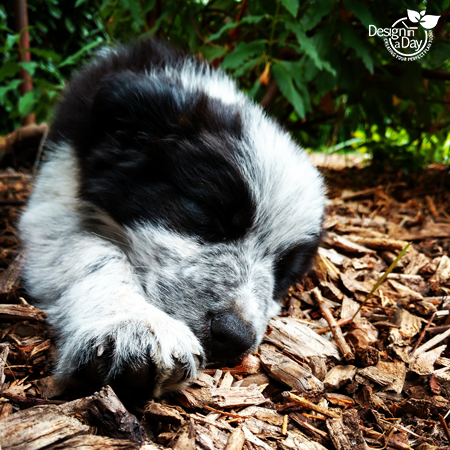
(142, 357)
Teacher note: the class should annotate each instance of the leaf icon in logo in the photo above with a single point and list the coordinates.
(429, 22)
(413, 16)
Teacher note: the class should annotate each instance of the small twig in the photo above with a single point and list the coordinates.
(285, 425)
(422, 335)
(311, 406)
(432, 342)
(335, 328)
(381, 280)
(444, 426)
(340, 322)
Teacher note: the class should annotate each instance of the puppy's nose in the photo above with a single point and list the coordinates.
(231, 335)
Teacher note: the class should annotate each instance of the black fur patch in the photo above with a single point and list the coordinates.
(150, 151)
(292, 264)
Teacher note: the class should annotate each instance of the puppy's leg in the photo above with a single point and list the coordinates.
(95, 303)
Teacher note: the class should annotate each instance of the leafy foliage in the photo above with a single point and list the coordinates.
(312, 64)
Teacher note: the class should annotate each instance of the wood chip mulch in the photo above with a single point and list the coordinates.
(319, 380)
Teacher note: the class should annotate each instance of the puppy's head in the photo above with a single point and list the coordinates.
(217, 208)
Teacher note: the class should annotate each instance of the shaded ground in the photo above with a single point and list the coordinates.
(380, 381)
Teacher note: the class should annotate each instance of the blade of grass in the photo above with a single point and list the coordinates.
(382, 279)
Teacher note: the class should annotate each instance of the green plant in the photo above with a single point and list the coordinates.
(311, 64)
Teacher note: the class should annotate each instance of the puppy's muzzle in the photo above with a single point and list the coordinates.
(231, 336)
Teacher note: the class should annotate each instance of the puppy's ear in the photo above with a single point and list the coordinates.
(130, 106)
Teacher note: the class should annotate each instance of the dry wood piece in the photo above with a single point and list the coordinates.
(287, 371)
(105, 411)
(442, 275)
(267, 415)
(311, 430)
(114, 418)
(20, 312)
(339, 399)
(96, 442)
(236, 440)
(338, 434)
(338, 376)
(162, 413)
(261, 428)
(431, 343)
(342, 243)
(335, 328)
(296, 441)
(249, 436)
(220, 397)
(4, 351)
(409, 324)
(50, 387)
(186, 441)
(424, 363)
(10, 278)
(299, 340)
(377, 375)
(398, 370)
(38, 427)
(210, 438)
(378, 243)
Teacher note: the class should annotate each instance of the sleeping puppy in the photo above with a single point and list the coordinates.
(168, 222)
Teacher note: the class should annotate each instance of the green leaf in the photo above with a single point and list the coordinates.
(211, 53)
(30, 66)
(308, 46)
(351, 39)
(291, 6)
(232, 25)
(286, 85)
(11, 86)
(79, 3)
(8, 69)
(314, 14)
(361, 11)
(28, 101)
(73, 59)
(242, 52)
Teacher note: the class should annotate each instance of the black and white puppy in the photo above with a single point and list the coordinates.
(168, 222)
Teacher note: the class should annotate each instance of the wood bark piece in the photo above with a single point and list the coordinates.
(38, 427)
(220, 397)
(186, 441)
(296, 441)
(261, 428)
(409, 324)
(311, 430)
(10, 278)
(299, 340)
(378, 243)
(288, 372)
(267, 415)
(424, 363)
(431, 343)
(335, 328)
(91, 442)
(4, 351)
(249, 436)
(338, 435)
(50, 387)
(338, 376)
(114, 418)
(162, 413)
(442, 275)
(105, 411)
(210, 438)
(398, 370)
(377, 375)
(22, 312)
(342, 243)
(236, 440)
